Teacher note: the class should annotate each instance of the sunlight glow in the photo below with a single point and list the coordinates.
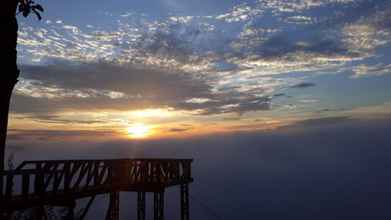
(139, 130)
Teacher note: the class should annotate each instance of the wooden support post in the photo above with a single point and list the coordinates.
(85, 211)
(158, 205)
(141, 206)
(185, 210)
(113, 211)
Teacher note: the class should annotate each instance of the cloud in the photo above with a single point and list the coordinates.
(300, 5)
(34, 136)
(308, 101)
(233, 61)
(371, 70)
(325, 45)
(179, 130)
(59, 119)
(37, 89)
(380, 111)
(108, 86)
(303, 85)
(196, 43)
(279, 95)
(128, 79)
(105, 86)
(226, 103)
(240, 13)
(299, 20)
(320, 122)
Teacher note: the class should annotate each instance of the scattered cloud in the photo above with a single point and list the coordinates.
(308, 100)
(364, 70)
(322, 123)
(303, 85)
(240, 13)
(237, 61)
(25, 135)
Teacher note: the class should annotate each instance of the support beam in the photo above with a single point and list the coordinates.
(113, 211)
(158, 205)
(185, 210)
(85, 210)
(141, 206)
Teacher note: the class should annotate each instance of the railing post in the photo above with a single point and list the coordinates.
(187, 169)
(115, 180)
(1, 185)
(67, 176)
(113, 211)
(25, 185)
(158, 205)
(141, 206)
(39, 180)
(9, 186)
(39, 183)
(185, 210)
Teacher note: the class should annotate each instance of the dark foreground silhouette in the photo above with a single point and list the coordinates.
(38, 184)
(8, 57)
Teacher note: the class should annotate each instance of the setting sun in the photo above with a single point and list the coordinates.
(139, 130)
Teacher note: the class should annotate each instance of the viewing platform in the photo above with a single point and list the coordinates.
(36, 184)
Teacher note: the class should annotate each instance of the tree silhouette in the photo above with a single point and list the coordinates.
(8, 56)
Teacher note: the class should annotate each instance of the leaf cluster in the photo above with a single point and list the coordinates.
(26, 7)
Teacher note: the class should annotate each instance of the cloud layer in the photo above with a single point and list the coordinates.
(235, 62)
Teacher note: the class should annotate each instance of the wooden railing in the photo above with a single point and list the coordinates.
(51, 179)
(77, 178)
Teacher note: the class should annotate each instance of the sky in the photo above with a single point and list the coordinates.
(292, 96)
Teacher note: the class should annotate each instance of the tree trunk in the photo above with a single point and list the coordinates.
(8, 63)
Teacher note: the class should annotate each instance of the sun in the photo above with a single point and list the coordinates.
(139, 130)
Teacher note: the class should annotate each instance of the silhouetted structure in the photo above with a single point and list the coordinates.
(35, 184)
(9, 70)
(8, 58)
